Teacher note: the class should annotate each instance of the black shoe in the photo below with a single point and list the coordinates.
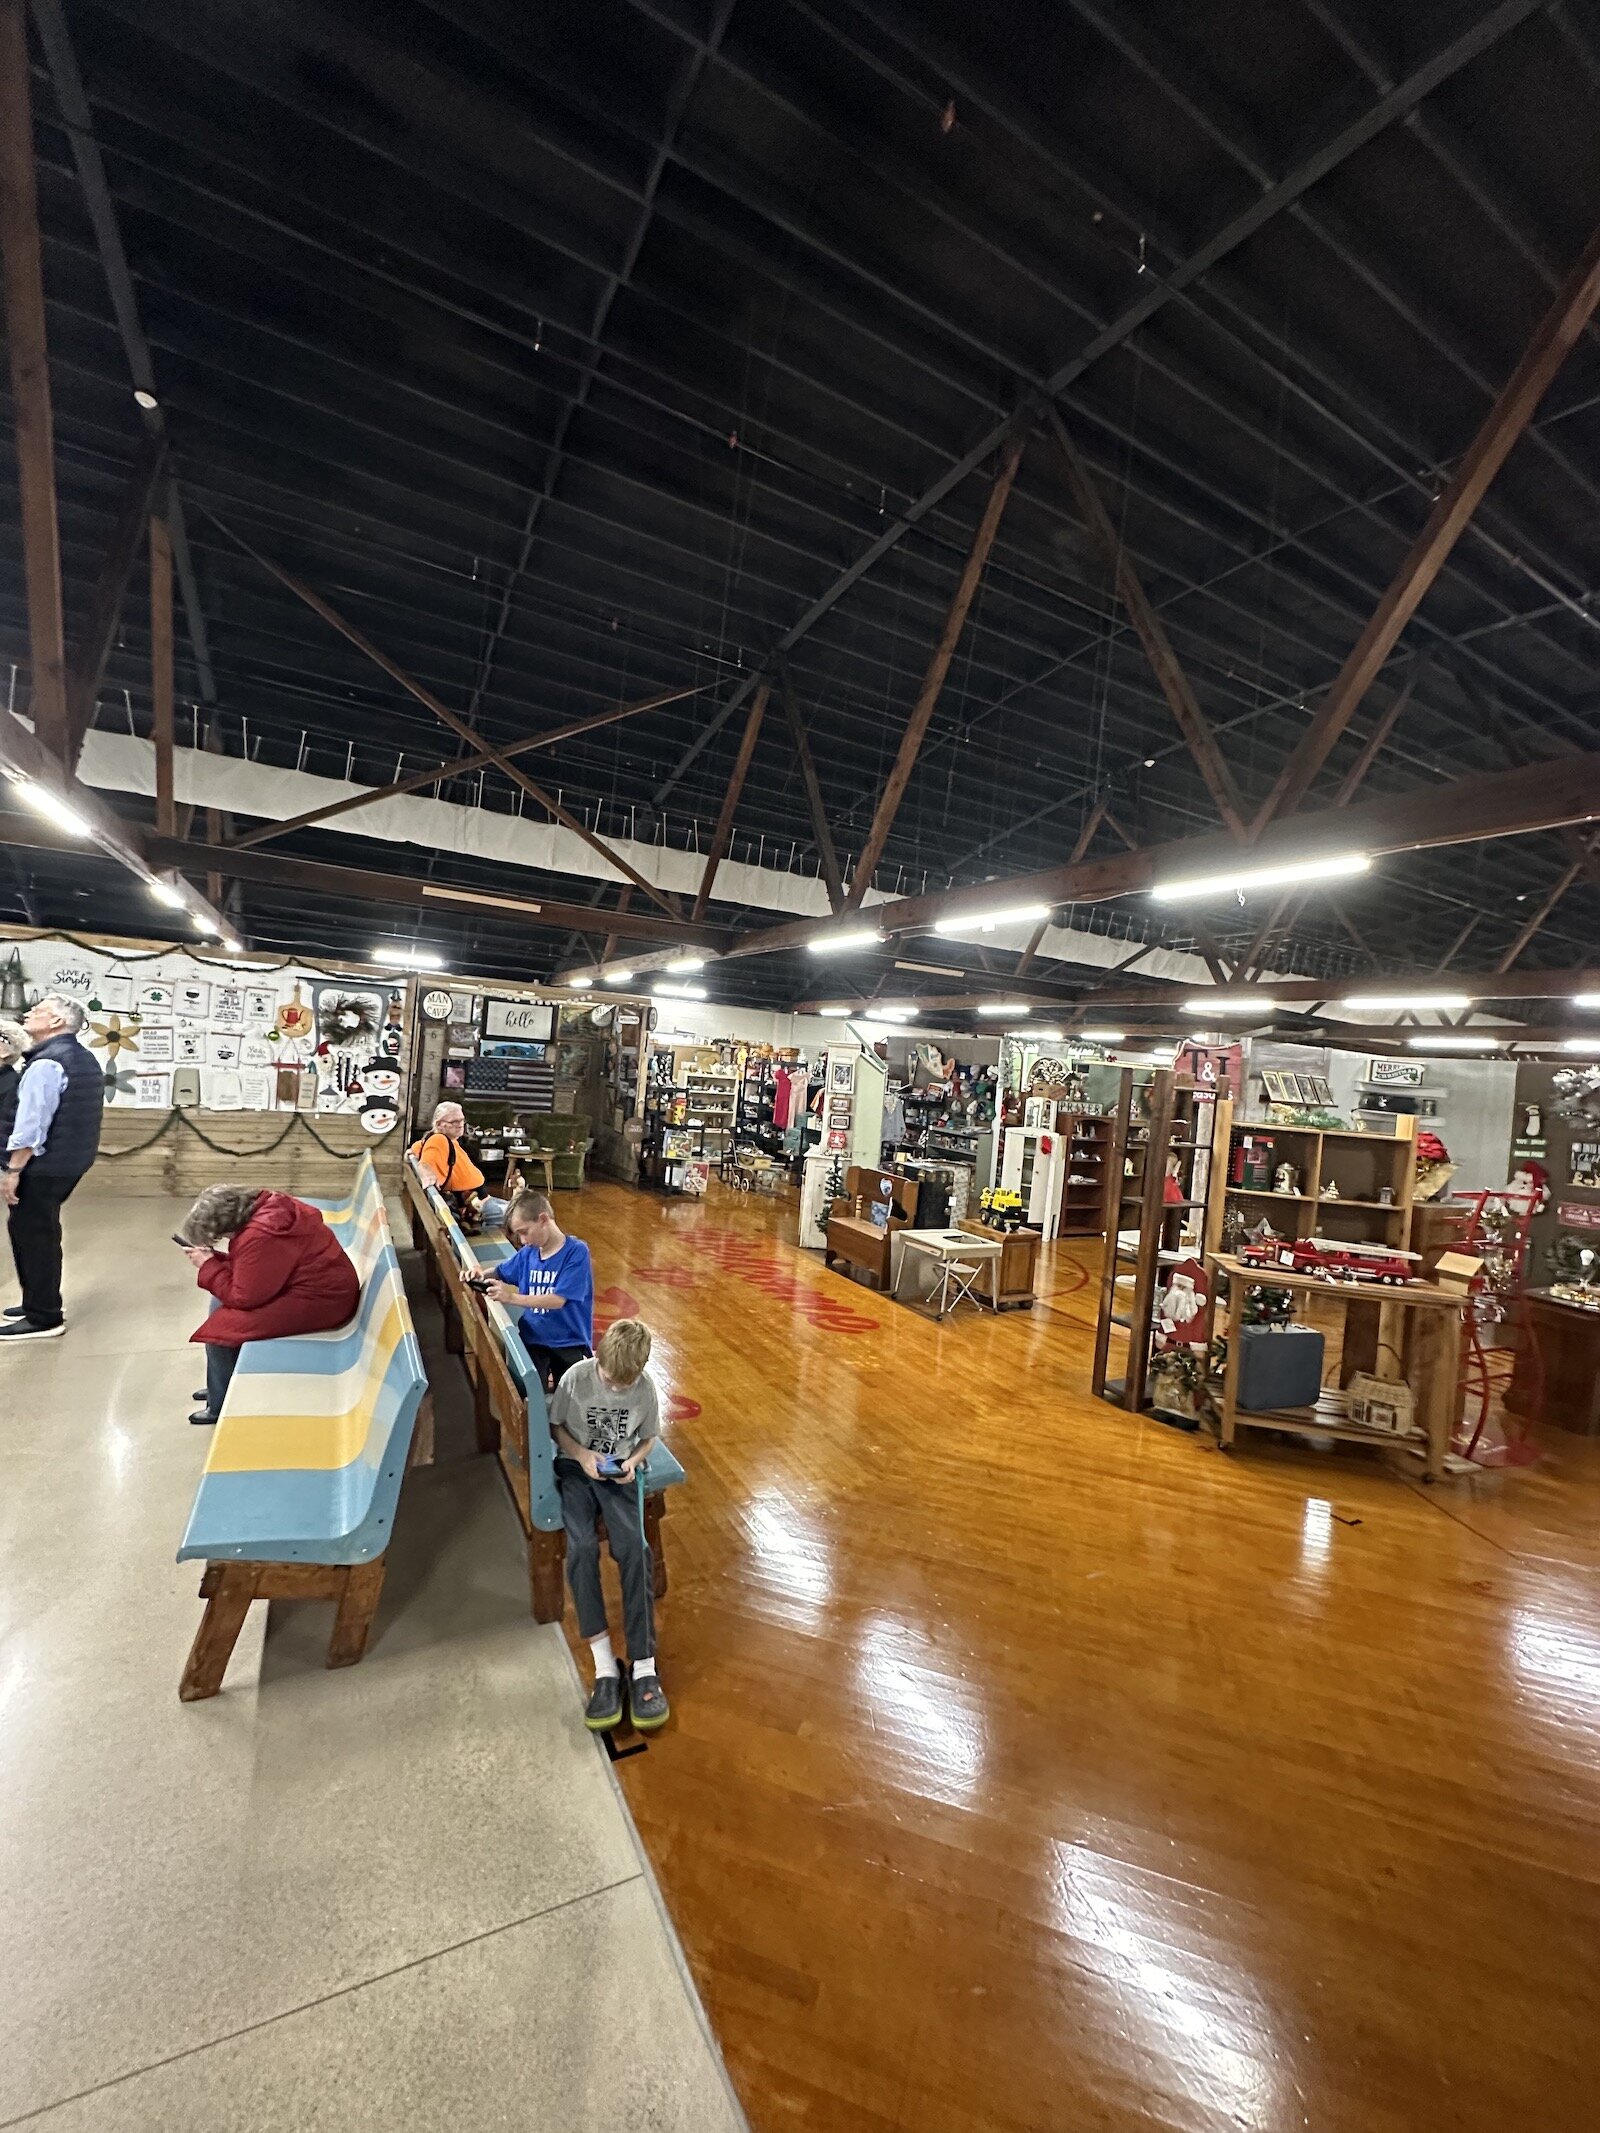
(202, 1394)
(13, 1311)
(202, 1420)
(24, 1329)
(604, 1708)
(647, 1700)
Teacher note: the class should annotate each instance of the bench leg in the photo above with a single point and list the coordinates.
(455, 1341)
(653, 1510)
(485, 1422)
(232, 1586)
(547, 1555)
(422, 1434)
(363, 1585)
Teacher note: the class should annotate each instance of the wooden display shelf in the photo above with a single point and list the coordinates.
(1323, 1153)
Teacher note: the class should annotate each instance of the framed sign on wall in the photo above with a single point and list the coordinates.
(519, 1018)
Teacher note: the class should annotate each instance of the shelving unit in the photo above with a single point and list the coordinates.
(1154, 1120)
(1359, 1164)
(687, 1122)
(1088, 1136)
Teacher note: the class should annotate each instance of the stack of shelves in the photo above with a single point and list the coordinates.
(687, 1123)
(1359, 1167)
(1083, 1190)
(1160, 1123)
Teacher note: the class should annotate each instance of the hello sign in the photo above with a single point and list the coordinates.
(519, 1018)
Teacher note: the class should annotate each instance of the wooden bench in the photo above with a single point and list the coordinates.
(856, 1238)
(299, 1491)
(509, 1409)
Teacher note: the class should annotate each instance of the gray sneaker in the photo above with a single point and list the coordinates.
(647, 1700)
(604, 1708)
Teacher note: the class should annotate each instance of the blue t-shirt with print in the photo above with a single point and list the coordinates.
(567, 1273)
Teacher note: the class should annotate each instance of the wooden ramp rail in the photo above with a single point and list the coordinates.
(508, 1401)
(298, 1496)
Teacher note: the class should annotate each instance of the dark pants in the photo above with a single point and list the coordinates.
(220, 1362)
(620, 1504)
(552, 1364)
(34, 1225)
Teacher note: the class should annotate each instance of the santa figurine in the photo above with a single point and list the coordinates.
(1528, 1192)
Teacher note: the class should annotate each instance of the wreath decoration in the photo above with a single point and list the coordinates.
(348, 1019)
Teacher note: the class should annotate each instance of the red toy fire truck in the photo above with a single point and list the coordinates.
(1331, 1259)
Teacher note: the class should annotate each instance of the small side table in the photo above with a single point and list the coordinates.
(931, 1247)
(1019, 1263)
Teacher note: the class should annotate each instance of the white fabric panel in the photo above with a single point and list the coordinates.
(120, 762)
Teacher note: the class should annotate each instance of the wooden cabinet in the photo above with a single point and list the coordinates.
(1019, 1263)
(1083, 1187)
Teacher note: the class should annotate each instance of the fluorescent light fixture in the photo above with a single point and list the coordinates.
(1005, 1007)
(1453, 1041)
(986, 921)
(1283, 875)
(165, 893)
(1591, 1045)
(842, 943)
(45, 801)
(898, 1010)
(409, 958)
(1230, 1003)
(233, 947)
(1586, 999)
(580, 983)
(1401, 1002)
(682, 965)
(616, 977)
(147, 401)
(834, 1007)
(680, 992)
(1102, 1036)
(203, 924)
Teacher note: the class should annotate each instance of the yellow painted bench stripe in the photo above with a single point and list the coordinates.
(252, 1444)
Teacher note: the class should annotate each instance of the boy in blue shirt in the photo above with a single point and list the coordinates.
(550, 1279)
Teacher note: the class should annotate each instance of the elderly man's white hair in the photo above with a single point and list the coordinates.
(439, 1111)
(68, 1012)
(14, 1039)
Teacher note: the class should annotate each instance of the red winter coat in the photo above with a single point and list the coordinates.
(285, 1272)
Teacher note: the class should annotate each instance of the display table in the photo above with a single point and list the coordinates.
(917, 1251)
(1566, 1342)
(1430, 1352)
(1019, 1262)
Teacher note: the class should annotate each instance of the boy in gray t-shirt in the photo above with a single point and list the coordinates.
(605, 1416)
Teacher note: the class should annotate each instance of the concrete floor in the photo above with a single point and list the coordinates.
(404, 1894)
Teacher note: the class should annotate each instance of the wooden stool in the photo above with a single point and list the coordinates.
(541, 1160)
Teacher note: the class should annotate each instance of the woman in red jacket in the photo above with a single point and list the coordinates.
(283, 1271)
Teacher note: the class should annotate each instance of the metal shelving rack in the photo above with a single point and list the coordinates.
(1168, 1115)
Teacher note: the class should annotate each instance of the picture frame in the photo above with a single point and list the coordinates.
(1583, 1165)
(530, 1020)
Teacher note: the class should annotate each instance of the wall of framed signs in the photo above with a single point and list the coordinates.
(173, 1028)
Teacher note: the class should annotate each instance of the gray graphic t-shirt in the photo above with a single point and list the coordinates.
(600, 1418)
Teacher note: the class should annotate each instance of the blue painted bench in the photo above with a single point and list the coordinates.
(509, 1409)
(298, 1495)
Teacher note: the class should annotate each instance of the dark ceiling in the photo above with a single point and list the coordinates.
(576, 351)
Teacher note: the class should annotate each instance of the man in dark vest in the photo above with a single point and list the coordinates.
(54, 1140)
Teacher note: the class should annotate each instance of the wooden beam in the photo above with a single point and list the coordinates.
(86, 669)
(722, 835)
(827, 852)
(161, 722)
(437, 773)
(366, 885)
(1578, 864)
(22, 279)
(938, 667)
(1169, 673)
(1504, 803)
(1287, 908)
(458, 726)
(1561, 326)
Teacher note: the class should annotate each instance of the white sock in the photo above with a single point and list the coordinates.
(642, 1667)
(605, 1659)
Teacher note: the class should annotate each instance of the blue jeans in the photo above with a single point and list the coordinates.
(220, 1362)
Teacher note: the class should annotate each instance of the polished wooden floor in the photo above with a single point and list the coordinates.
(1036, 1767)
